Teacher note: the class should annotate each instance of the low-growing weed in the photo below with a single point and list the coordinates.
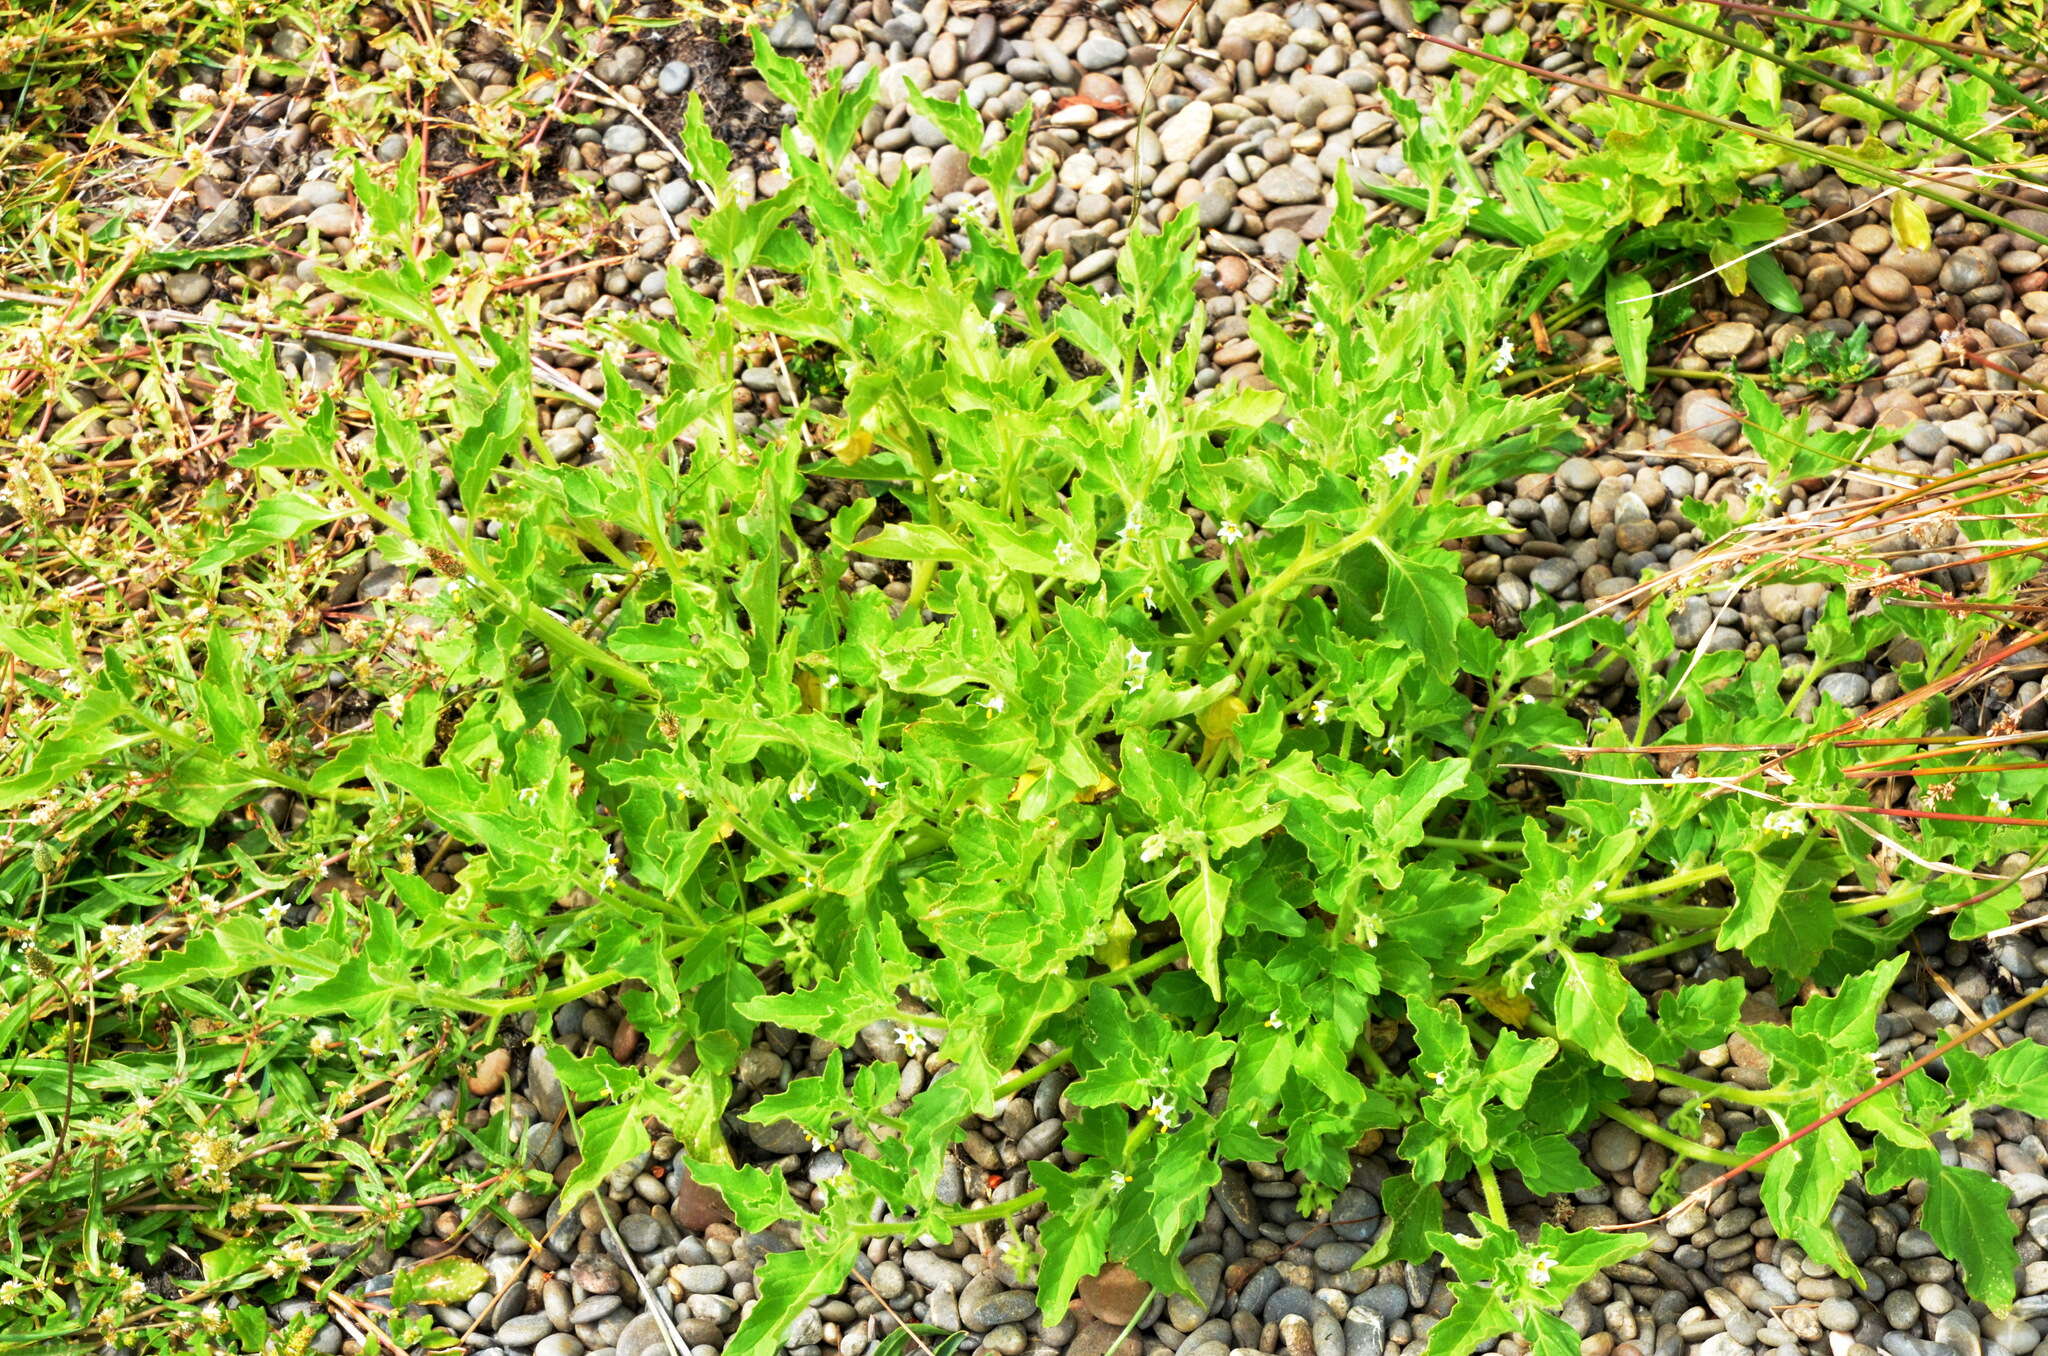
(1170, 740)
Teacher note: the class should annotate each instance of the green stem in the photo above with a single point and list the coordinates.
(1657, 1134)
(1672, 884)
(1309, 559)
(1489, 1183)
(1010, 1087)
(1474, 844)
(1813, 76)
(1685, 941)
(1727, 1092)
(1138, 969)
(1836, 159)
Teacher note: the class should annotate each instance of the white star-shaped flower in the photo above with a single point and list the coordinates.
(1504, 356)
(1273, 1021)
(1146, 597)
(1230, 532)
(993, 703)
(1319, 710)
(1063, 553)
(1398, 462)
(911, 1039)
(1540, 1265)
(1162, 1110)
(874, 784)
(1642, 817)
(529, 795)
(1784, 822)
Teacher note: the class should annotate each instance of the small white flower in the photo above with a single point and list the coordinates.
(1146, 597)
(1504, 356)
(1398, 462)
(1162, 1110)
(993, 703)
(801, 788)
(950, 476)
(1526, 698)
(873, 783)
(1133, 525)
(1540, 1265)
(1273, 1021)
(1529, 982)
(1135, 661)
(1591, 913)
(1063, 553)
(529, 795)
(682, 789)
(1319, 710)
(1392, 418)
(1784, 822)
(1118, 1180)
(1230, 532)
(609, 874)
(911, 1039)
(273, 910)
(1465, 204)
(1997, 804)
(1153, 848)
(1437, 1077)
(1642, 817)
(814, 1141)
(831, 681)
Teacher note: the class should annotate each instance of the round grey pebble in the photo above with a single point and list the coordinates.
(1837, 1315)
(641, 1337)
(701, 1280)
(558, 1344)
(188, 289)
(332, 219)
(1004, 1306)
(524, 1331)
(1615, 1147)
(595, 1308)
(1355, 1215)
(675, 195)
(674, 77)
(1848, 689)
(625, 138)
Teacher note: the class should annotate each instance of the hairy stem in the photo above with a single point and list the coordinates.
(1657, 1134)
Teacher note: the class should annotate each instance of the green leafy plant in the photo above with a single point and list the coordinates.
(1169, 760)
(1824, 362)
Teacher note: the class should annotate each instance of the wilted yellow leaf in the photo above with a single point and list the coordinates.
(854, 446)
(1909, 223)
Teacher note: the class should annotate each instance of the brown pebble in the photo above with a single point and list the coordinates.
(490, 1072)
(1889, 285)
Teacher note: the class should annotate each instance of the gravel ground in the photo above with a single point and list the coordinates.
(1239, 112)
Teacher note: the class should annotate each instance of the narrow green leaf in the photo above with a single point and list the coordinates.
(1628, 320)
